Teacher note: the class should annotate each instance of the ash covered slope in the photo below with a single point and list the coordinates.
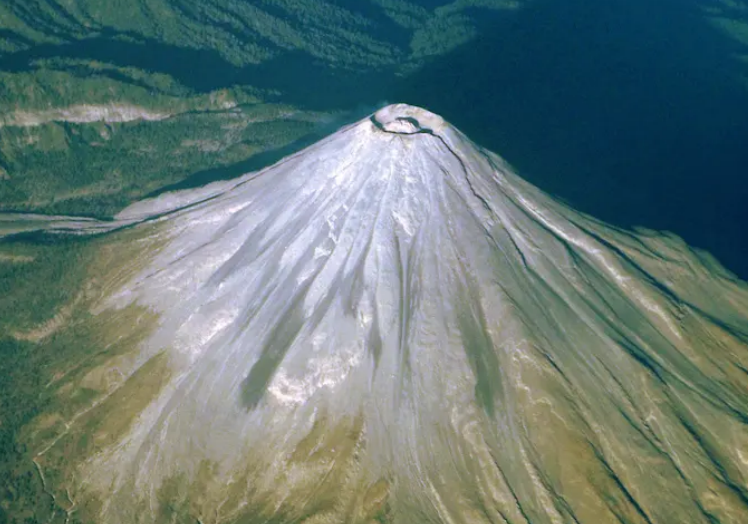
(390, 326)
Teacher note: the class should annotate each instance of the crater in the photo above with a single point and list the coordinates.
(404, 119)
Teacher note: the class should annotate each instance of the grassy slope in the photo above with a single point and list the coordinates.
(26, 364)
(50, 338)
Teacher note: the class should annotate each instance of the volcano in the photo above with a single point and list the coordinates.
(392, 326)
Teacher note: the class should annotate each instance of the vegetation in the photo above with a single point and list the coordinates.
(104, 103)
(97, 168)
(26, 366)
(731, 16)
(49, 339)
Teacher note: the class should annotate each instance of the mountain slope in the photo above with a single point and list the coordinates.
(391, 326)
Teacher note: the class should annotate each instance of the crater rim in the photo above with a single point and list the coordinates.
(405, 119)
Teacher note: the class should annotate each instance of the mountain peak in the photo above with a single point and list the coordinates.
(404, 119)
(371, 331)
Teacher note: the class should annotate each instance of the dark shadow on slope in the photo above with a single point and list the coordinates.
(310, 84)
(630, 110)
(197, 69)
(299, 78)
(383, 27)
(14, 39)
(254, 163)
(266, 158)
